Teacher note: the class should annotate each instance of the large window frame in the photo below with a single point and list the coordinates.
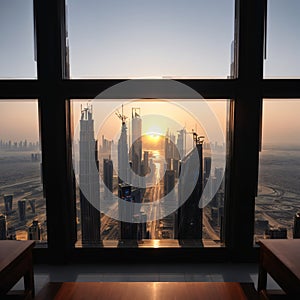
(53, 90)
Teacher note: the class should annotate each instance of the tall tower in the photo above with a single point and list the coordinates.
(8, 202)
(123, 159)
(207, 168)
(108, 177)
(169, 181)
(22, 210)
(181, 142)
(128, 230)
(189, 214)
(89, 180)
(136, 151)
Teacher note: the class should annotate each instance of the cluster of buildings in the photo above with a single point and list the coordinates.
(264, 229)
(133, 166)
(19, 145)
(33, 230)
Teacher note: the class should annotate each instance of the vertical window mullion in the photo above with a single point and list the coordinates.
(55, 129)
(245, 127)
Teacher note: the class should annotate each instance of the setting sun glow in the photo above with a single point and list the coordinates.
(154, 137)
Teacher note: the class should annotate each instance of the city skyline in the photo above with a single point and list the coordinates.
(154, 199)
(281, 124)
(265, 194)
(201, 19)
(150, 39)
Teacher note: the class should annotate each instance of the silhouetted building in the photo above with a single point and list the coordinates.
(207, 168)
(146, 163)
(34, 231)
(175, 166)
(89, 180)
(296, 231)
(189, 214)
(279, 233)
(32, 205)
(261, 226)
(123, 159)
(169, 181)
(8, 202)
(3, 232)
(136, 148)
(169, 150)
(128, 230)
(108, 178)
(181, 143)
(22, 210)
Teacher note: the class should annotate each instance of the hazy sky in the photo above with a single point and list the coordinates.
(19, 120)
(141, 38)
(158, 117)
(136, 38)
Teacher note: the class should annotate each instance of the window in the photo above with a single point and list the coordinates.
(17, 58)
(150, 39)
(59, 96)
(23, 207)
(154, 142)
(278, 186)
(283, 46)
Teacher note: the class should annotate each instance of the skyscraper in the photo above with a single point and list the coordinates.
(22, 210)
(136, 150)
(32, 205)
(8, 202)
(146, 163)
(189, 214)
(108, 177)
(3, 232)
(128, 230)
(89, 180)
(181, 143)
(276, 233)
(123, 159)
(207, 168)
(169, 181)
(34, 231)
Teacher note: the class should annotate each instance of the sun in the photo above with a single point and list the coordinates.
(153, 136)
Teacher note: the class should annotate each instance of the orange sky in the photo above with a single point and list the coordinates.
(281, 122)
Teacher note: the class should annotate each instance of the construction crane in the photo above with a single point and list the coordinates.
(121, 116)
(198, 139)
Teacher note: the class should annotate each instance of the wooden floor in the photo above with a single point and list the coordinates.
(148, 291)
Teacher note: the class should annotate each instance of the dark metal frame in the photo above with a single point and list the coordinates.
(53, 89)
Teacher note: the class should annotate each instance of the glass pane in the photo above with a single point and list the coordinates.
(283, 43)
(278, 197)
(17, 43)
(133, 39)
(22, 205)
(149, 172)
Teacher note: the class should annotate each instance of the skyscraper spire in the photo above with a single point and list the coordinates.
(123, 159)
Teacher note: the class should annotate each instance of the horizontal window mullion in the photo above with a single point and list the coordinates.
(87, 89)
(281, 88)
(19, 89)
